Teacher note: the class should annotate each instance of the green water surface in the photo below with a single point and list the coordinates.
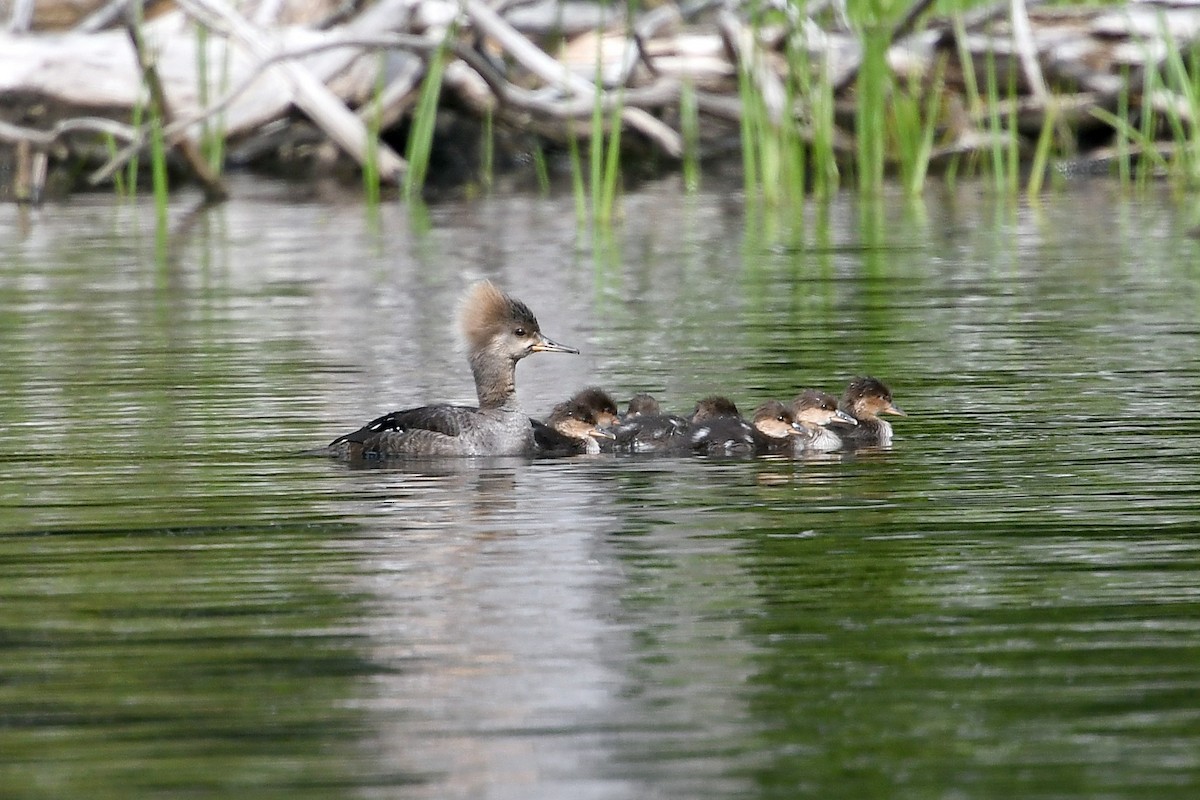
(1005, 604)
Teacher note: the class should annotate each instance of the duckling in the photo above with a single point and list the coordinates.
(646, 429)
(574, 426)
(600, 404)
(717, 429)
(814, 410)
(775, 428)
(865, 399)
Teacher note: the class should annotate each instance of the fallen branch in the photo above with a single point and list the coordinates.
(325, 109)
(46, 140)
(214, 189)
(554, 73)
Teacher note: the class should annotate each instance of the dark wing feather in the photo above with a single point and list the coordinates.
(443, 419)
(723, 435)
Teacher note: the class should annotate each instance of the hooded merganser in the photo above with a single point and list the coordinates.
(814, 410)
(717, 429)
(577, 425)
(646, 429)
(499, 331)
(775, 428)
(865, 399)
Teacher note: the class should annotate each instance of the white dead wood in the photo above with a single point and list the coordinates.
(308, 93)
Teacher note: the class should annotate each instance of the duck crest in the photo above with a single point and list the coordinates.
(484, 308)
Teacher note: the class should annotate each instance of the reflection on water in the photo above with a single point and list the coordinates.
(1005, 604)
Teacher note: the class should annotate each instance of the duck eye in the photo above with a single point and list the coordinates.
(519, 332)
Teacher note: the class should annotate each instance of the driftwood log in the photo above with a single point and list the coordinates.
(77, 75)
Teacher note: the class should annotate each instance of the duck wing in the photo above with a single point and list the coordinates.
(723, 436)
(648, 433)
(441, 419)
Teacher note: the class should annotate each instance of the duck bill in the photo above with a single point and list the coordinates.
(600, 433)
(797, 429)
(550, 346)
(894, 409)
(842, 418)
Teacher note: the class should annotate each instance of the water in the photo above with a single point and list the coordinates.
(1006, 604)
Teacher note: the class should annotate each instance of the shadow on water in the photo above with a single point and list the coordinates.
(1004, 604)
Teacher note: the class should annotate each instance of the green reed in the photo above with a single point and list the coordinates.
(212, 129)
(1004, 138)
(870, 119)
(818, 91)
(913, 121)
(1150, 159)
(774, 146)
(370, 170)
(158, 144)
(1178, 81)
(595, 186)
(424, 120)
(1124, 166)
(487, 151)
(136, 118)
(689, 125)
(1133, 137)
(1182, 74)
(540, 169)
(110, 147)
(604, 156)
(1041, 153)
(791, 155)
(751, 122)
(578, 182)
(158, 179)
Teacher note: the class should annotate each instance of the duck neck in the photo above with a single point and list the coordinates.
(495, 381)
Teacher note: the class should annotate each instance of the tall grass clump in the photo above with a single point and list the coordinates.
(578, 183)
(605, 157)
(774, 162)
(826, 175)
(1041, 153)
(751, 123)
(913, 120)
(1141, 138)
(1180, 82)
(541, 170)
(1003, 134)
(424, 120)
(212, 129)
(874, 80)
(137, 117)
(156, 122)
(595, 184)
